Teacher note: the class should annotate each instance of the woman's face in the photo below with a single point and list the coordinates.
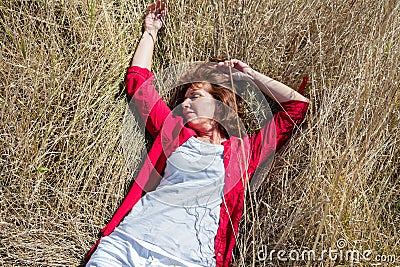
(199, 106)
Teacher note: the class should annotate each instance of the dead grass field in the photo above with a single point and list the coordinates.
(63, 171)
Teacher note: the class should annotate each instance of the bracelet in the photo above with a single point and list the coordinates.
(152, 37)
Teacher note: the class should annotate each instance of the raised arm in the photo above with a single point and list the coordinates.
(274, 89)
(276, 132)
(139, 78)
(155, 14)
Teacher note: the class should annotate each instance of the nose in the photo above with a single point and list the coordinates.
(186, 103)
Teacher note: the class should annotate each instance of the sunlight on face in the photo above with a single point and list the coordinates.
(199, 105)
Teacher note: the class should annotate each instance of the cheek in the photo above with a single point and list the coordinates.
(205, 107)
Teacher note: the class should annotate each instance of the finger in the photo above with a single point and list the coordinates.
(160, 6)
(229, 63)
(161, 13)
(164, 12)
(154, 7)
(159, 9)
(226, 63)
(151, 7)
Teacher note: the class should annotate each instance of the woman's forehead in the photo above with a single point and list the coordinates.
(198, 86)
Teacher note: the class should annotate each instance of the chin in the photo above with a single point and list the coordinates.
(200, 124)
(193, 123)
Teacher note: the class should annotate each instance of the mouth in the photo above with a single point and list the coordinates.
(188, 112)
(189, 115)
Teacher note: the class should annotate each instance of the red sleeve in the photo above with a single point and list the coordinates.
(276, 132)
(292, 114)
(149, 104)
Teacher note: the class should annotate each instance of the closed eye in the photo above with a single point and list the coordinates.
(192, 97)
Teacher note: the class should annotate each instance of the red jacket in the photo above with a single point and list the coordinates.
(242, 156)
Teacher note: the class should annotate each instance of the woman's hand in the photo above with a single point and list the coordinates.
(155, 14)
(237, 64)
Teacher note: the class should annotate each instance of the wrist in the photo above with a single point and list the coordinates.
(249, 71)
(151, 33)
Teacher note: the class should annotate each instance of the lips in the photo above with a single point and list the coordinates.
(187, 112)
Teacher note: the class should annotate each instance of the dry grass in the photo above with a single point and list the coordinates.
(63, 171)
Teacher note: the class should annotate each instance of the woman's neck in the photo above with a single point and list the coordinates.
(213, 137)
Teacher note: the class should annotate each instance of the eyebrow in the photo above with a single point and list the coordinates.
(193, 91)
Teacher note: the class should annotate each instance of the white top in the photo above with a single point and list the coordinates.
(179, 220)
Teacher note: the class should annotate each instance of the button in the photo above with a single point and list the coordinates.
(219, 254)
